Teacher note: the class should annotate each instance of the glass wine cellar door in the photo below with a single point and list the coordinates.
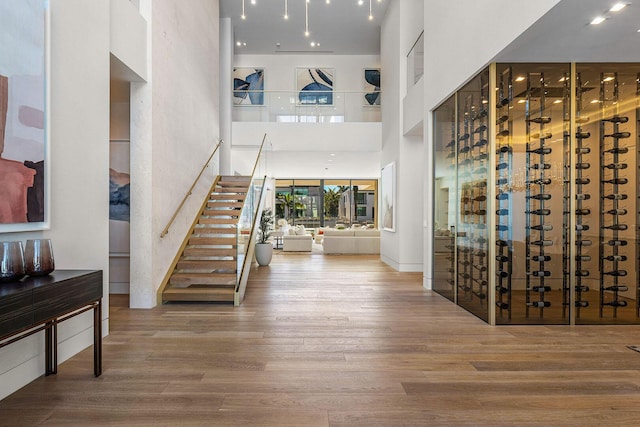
(536, 194)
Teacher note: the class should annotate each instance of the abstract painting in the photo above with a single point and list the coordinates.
(119, 199)
(315, 85)
(23, 134)
(372, 86)
(248, 86)
(387, 192)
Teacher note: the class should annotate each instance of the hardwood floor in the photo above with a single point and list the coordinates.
(337, 341)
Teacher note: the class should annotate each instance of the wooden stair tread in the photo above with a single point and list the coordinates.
(218, 220)
(215, 241)
(207, 264)
(222, 294)
(234, 189)
(189, 279)
(220, 204)
(204, 252)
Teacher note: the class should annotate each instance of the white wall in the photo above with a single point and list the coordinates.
(448, 65)
(401, 249)
(79, 175)
(175, 126)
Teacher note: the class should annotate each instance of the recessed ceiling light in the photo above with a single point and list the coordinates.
(332, 154)
(557, 101)
(520, 78)
(617, 7)
(598, 20)
(238, 43)
(594, 101)
(521, 101)
(607, 79)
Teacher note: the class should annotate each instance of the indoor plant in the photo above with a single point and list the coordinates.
(264, 248)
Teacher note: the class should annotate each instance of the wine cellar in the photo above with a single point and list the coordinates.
(538, 167)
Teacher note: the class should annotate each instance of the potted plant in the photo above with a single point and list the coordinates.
(264, 248)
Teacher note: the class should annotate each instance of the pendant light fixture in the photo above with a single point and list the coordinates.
(286, 9)
(306, 18)
(370, 14)
(243, 16)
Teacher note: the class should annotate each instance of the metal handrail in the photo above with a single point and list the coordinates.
(255, 165)
(189, 192)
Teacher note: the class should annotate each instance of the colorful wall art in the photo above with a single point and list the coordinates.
(23, 136)
(248, 86)
(372, 86)
(315, 85)
(387, 193)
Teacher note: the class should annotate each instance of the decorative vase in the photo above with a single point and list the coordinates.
(264, 252)
(11, 262)
(38, 255)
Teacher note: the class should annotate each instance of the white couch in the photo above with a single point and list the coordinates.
(297, 240)
(352, 241)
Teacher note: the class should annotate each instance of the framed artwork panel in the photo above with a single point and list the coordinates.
(24, 136)
(371, 87)
(248, 86)
(388, 196)
(314, 86)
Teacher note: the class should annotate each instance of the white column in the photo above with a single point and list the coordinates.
(226, 103)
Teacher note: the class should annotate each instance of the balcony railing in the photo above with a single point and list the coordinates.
(306, 107)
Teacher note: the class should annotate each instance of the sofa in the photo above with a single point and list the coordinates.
(351, 241)
(297, 240)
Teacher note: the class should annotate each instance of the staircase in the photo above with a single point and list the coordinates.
(207, 268)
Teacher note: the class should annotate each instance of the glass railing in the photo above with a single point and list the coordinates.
(253, 203)
(306, 107)
(415, 62)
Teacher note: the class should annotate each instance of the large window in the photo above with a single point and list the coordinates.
(325, 203)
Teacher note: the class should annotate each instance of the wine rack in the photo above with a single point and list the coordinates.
(613, 187)
(504, 153)
(537, 196)
(583, 195)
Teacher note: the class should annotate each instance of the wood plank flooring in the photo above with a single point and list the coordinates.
(337, 341)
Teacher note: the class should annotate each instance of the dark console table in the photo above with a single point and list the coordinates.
(37, 304)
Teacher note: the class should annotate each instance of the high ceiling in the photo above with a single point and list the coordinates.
(340, 27)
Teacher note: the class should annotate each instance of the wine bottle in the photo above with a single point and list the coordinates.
(539, 212)
(541, 150)
(583, 166)
(615, 166)
(539, 304)
(539, 120)
(463, 137)
(502, 227)
(502, 305)
(502, 102)
(480, 184)
(480, 128)
(541, 258)
(584, 242)
(502, 290)
(502, 212)
(582, 181)
(481, 156)
(480, 240)
(617, 227)
(618, 135)
(502, 243)
(540, 289)
(451, 155)
(480, 170)
(542, 273)
(502, 133)
(582, 227)
(542, 242)
(541, 196)
(480, 114)
(541, 135)
(541, 227)
(464, 149)
(582, 288)
(616, 181)
(615, 303)
(480, 254)
(582, 273)
(480, 143)
(617, 212)
(582, 135)
(502, 258)
(617, 150)
(480, 198)
(540, 181)
(540, 166)
(503, 149)
(583, 211)
(502, 119)
(582, 303)
(583, 150)
(501, 273)
(502, 181)
(617, 119)
(617, 288)
(583, 196)
(615, 258)
(583, 257)
(615, 273)
(501, 166)
(451, 143)
(617, 242)
(464, 275)
(481, 268)
(616, 196)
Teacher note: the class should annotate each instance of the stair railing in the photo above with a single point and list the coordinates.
(247, 230)
(190, 191)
